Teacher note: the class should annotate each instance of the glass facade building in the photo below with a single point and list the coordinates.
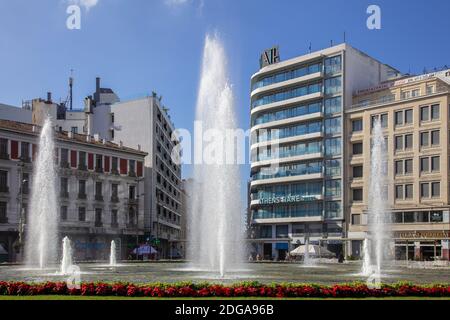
(297, 110)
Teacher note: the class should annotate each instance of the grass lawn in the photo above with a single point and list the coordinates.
(56, 297)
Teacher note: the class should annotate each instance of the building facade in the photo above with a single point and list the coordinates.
(414, 114)
(297, 126)
(98, 189)
(146, 124)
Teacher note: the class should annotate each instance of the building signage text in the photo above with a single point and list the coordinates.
(287, 199)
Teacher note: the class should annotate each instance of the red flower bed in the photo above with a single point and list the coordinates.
(356, 290)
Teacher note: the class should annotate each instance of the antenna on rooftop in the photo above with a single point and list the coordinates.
(310, 47)
(71, 89)
(344, 37)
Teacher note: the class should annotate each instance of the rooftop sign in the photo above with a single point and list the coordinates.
(390, 84)
(269, 56)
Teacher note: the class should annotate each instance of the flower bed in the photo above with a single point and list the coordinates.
(252, 289)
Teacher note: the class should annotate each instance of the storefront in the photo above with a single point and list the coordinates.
(426, 245)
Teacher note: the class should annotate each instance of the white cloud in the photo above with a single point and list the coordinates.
(87, 4)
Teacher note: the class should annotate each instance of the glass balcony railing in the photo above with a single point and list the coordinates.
(288, 151)
(288, 75)
(293, 112)
(295, 170)
(288, 94)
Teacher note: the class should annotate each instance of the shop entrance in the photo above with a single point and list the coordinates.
(267, 251)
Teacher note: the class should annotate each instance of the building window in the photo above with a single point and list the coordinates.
(25, 151)
(333, 85)
(424, 139)
(357, 125)
(74, 129)
(4, 148)
(98, 191)
(435, 112)
(82, 160)
(265, 232)
(356, 219)
(98, 162)
(98, 217)
(435, 164)
(399, 143)
(82, 189)
(333, 105)
(3, 212)
(383, 118)
(399, 118)
(424, 164)
(114, 220)
(131, 216)
(408, 166)
(435, 189)
(64, 187)
(333, 125)
(333, 167)
(357, 171)
(281, 231)
(425, 190)
(357, 194)
(333, 209)
(333, 147)
(408, 116)
(132, 192)
(81, 214)
(425, 113)
(63, 213)
(64, 158)
(4, 181)
(333, 188)
(399, 192)
(435, 137)
(332, 65)
(357, 148)
(114, 165)
(399, 167)
(415, 93)
(408, 141)
(409, 191)
(114, 192)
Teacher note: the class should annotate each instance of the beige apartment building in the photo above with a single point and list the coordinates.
(414, 113)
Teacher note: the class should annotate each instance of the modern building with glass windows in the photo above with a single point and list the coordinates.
(296, 188)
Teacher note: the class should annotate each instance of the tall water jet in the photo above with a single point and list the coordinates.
(112, 255)
(214, 225)
(378, 215)
(42, 227)
(66, 261)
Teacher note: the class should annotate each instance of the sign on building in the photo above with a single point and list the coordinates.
(269, 56)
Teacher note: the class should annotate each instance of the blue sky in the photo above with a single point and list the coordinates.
(137, 46)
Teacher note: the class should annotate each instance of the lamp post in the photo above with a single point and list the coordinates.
(138, 180)
(21, 228)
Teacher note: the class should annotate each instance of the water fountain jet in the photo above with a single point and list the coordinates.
(42, 231)
(214, 225)
(112, 255)
(66, 261)
(375, 244)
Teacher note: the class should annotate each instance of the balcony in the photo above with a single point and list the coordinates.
(64, 194)
(132, 202)
(82, 167)
(98, 197)
(64, 164)
(82, 196)
(115, 172)
(4, 156)
(4, 189)
(132, 174)
(114, 198)
(98, 224)
(99, 170)
(25, 159)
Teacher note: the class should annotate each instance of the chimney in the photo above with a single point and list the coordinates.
(70, 135)
(34, 128)
(104, 141)
(88, 138)
(139, 147)
(97, 84)
(121, 143)
(49, 97)
(96, 137)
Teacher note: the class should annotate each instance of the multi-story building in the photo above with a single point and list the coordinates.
(98, 191)
(146, 124)
(414, 113)
(297, 109)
